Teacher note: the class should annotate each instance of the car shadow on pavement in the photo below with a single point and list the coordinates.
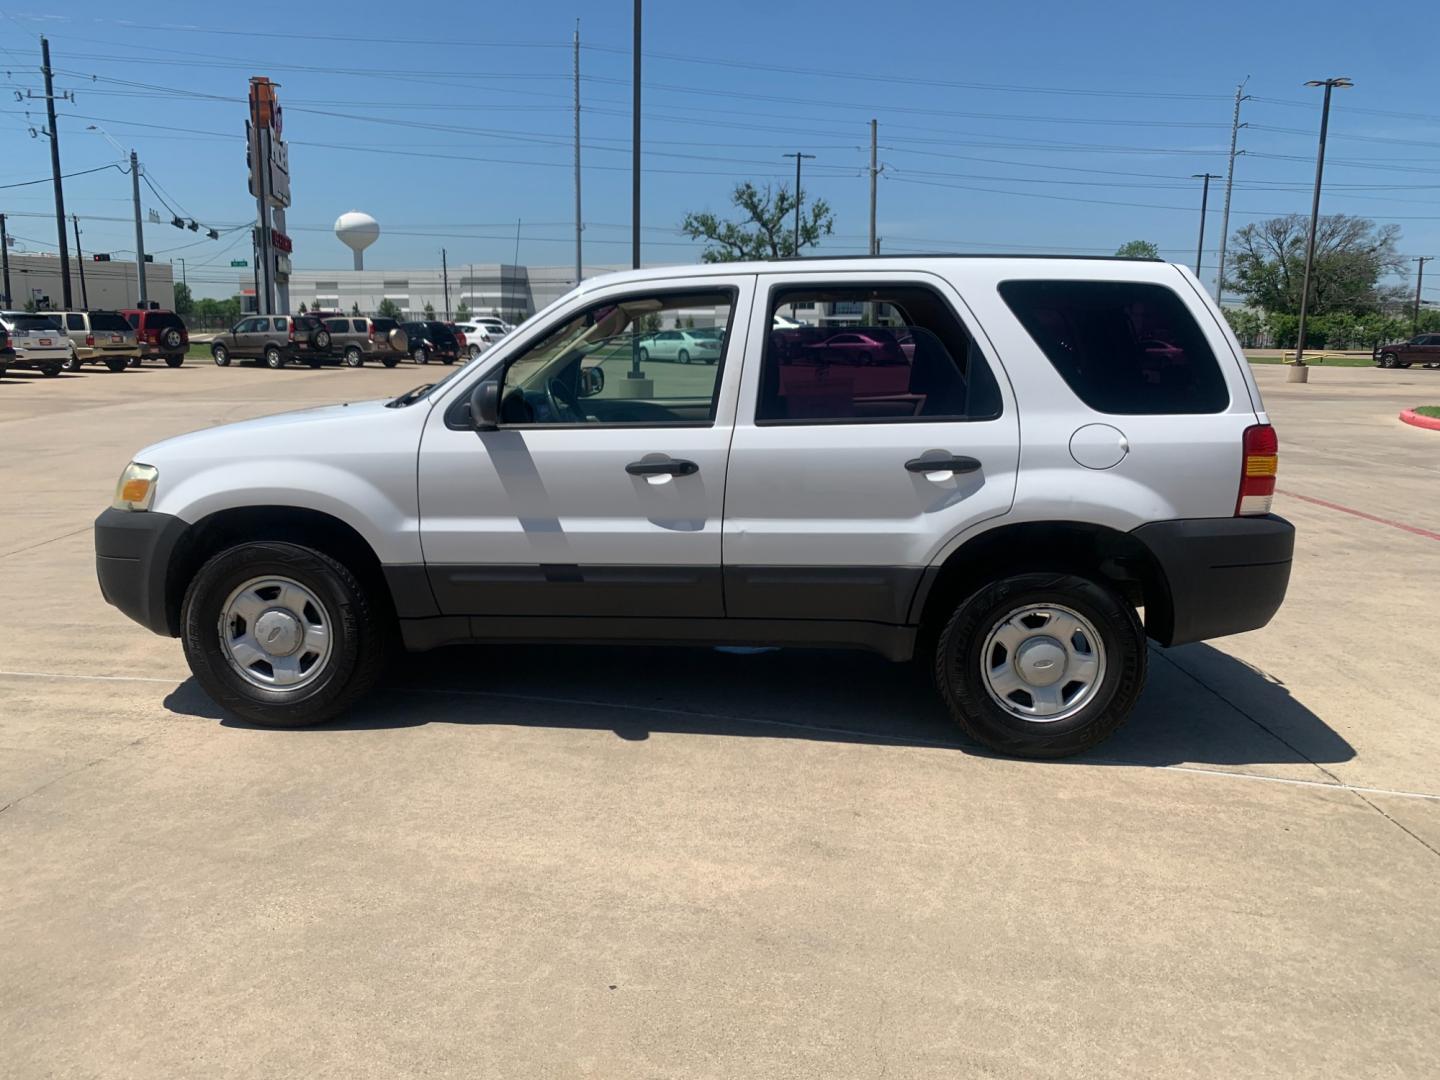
(1200, 705)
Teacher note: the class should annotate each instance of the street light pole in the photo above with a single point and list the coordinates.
(799, 157)
(1329, 84)
(635, 147)
(1204, 202)
(80, 263)
(1419, 280)
(55, 170)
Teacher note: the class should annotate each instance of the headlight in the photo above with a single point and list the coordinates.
(136, 489)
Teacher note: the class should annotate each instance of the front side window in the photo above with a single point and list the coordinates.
(624, 362)
(908, 358)
(1124, 347)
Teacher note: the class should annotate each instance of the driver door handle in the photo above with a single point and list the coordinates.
(673, 467)
(954, 463)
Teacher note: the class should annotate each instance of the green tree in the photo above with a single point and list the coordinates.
(767, 229)
(1138, 249)
(184, 302)
(1352, 255)
(388, 309)
(1247, 324)
(302, 307)
(429, 310)
(650, 322)
(462, 313)
(355, 308)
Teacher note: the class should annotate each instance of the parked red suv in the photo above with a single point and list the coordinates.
(7, 351)
(158, 333)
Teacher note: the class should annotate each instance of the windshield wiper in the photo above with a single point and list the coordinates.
(409, 397)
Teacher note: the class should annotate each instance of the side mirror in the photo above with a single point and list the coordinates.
(485, 405)
(592, 381)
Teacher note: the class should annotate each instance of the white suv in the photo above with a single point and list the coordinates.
(985, 463)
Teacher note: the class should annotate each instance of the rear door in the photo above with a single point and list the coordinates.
(599, 495)
(847, 476)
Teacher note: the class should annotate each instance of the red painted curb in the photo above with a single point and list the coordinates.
(1410, 416)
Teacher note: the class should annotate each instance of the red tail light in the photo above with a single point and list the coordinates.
(371, 325)
(291, 324)
(1257, 473)
(152, 336)
(90, 339)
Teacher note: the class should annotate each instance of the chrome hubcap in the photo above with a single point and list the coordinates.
(275, 633)
(1043, 662)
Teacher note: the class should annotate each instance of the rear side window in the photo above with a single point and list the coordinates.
(161, 320)
(338, 326)
(359, 325)
(134, 321)
(1123, 347)
(870, 354)
(74, 321)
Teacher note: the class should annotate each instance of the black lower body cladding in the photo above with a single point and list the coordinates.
(1225, 575)
(132, 560)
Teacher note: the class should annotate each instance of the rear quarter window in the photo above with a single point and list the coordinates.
(108, 321)
(1129, 348)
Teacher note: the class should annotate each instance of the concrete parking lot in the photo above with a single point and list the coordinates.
(554, 862)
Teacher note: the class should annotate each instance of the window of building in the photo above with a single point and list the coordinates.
(909, 358)
(1122, 347)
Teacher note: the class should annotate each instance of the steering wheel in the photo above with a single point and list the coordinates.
(563, 402)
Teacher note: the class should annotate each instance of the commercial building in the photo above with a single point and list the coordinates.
(513, 292)
(108, 285)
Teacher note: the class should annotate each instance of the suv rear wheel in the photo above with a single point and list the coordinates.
(73, 362)
(354, 357)
(117, 364)
(282, 635)
(274, 358)
(174, 361)
(1041, 665)
(421, 355)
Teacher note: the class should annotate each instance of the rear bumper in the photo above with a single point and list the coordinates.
(132, 561)
(1224, 575)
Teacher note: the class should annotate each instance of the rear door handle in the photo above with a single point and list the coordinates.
(673, 467)
(954, 463)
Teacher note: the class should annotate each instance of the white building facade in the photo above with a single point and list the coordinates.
(108, 285)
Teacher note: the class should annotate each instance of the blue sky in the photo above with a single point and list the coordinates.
(1038, 126)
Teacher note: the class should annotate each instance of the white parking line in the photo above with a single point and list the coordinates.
(544, 699)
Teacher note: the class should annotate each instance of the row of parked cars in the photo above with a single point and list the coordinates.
(54, 341)
(316, 338)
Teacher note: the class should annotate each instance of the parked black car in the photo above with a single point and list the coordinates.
(431, 340)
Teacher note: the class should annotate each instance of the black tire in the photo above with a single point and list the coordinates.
(117, 364)
(421, 355)
(474, 351)
(360, 631)
(174, 361)
(644, 356)
(172, 339)
(221, 355)
(136, 361)
(1404, 363)
(447, 360)
(274, 358)
(390, 361)
(958, 660)
(1388, 360)
(683, 356)
(320, 339)
(354, 357)
(50, 370)
(73, 363)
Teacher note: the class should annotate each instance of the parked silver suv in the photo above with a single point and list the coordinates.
(356, 338)
(990, 464)
(98, 337)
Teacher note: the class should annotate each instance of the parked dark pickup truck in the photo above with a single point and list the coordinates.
(1424, 349)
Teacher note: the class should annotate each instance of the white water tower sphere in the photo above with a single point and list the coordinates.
(357, 231)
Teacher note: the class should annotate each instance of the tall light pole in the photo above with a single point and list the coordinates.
(578, 226)
(1329, 84)
(874, 172)
(135, 198)
(1204, 203)
(80, 263)
(799, 157)
(635, 147)
(55, 170)
(1235, 127)
(1420, 262)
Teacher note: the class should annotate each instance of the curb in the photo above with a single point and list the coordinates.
(1410, 416)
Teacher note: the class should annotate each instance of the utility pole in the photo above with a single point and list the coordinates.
(5, 259)
(1419, 281)
(1329, 85)
(874, 171)
(55, 171)
(635, 148)
(799, 157)
(1235, 127)
(139, 227)
(1204, 203)
(445, 277)
(578, 225)
(80, 263)
(183, 279)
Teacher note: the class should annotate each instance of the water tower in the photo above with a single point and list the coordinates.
(357, 231)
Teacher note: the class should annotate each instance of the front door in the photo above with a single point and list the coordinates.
(601, 492)
(245, 337)
(873, 427)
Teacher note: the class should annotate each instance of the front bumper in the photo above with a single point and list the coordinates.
(132, 560)
(1224, 575)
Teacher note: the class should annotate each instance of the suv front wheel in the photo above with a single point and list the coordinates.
(282, 635)
(1041, 665)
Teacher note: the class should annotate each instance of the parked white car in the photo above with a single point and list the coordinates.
(682, 346)
(38, 340)
(495, 327)
(1009, 474)
(477, 338)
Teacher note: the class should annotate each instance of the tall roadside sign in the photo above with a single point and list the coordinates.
(269, 161)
